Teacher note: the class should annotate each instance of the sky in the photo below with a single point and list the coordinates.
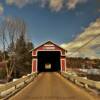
(87, 43)
(60, 21)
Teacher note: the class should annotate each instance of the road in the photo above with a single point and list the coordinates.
(52, 86)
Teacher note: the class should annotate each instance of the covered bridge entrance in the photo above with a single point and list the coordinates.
(48, 57)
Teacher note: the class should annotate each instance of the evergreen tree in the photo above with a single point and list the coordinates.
(23, 56)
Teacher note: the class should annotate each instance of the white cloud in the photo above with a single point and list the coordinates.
(19, 3)
(43, 3)
(9, 2)
(1, 9)
(54, 5)
(90, 50)
(71, 4)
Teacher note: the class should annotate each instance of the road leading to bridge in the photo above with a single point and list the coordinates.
(52, 86)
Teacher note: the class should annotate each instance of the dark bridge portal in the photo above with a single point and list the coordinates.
(48, 61)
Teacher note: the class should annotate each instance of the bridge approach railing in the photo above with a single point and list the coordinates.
(13, 87)
(83, 82)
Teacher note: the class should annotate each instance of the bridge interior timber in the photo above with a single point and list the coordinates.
(48, 61)
(52, 86)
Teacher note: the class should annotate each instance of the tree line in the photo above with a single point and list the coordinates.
(78, 62)
(15, 48)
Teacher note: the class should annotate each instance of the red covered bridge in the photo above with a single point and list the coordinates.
(48, 57)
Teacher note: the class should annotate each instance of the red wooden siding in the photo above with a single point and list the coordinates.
(34, 65)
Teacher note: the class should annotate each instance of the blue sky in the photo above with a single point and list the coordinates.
(57, 20)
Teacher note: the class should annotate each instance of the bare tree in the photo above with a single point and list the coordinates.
(10, 30)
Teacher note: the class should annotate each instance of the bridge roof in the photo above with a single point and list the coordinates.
(49, 42)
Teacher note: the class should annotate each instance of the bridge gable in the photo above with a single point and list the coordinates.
(48, 46)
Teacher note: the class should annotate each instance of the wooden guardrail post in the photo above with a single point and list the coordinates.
(16, 84)
(83, 82)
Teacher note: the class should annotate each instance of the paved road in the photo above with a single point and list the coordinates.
(52, 86)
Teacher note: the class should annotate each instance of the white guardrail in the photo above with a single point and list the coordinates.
(88, 84)
(12, 87)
